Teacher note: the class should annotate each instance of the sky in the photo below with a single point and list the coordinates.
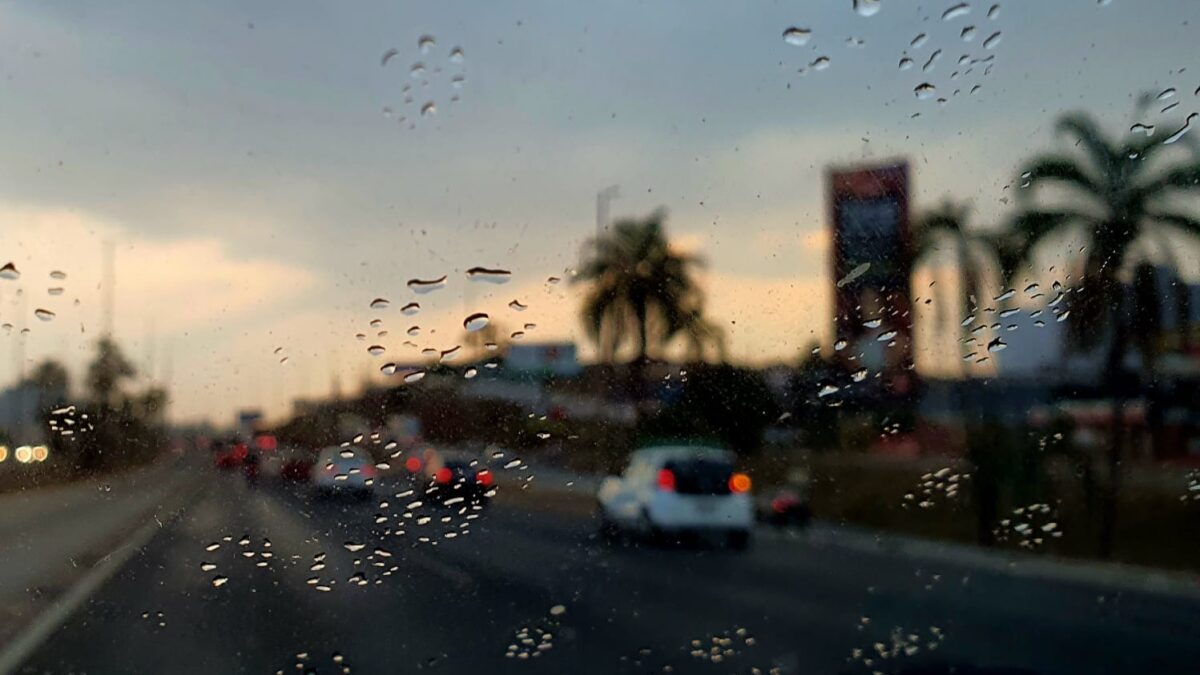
(249, 164)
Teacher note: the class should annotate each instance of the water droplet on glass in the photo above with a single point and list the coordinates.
(1165, 94)
(955, 11)
(416, 70)
(925, 91)
(992, 40)
(379, 303)
(855, 273)
(475, 321)
(449, 354)
(820, 63)
(470, 372)
(219, 581)
(873, 323)
(866, 7)
(354, 547)
(905, 63)
(516, 305)
(410, 309)
(517, 335)
(425, 43)
(859, 375)
(388, 369)
(58, 274)
(918, 40)
(1187, 125)
(376, 350)
(9, 271)
(558, 610)
(207, 566)
(797, 36)
(387, 56)
(1140, 128)
(426, 285)
(997, 345)
(55, 290)
(414, 376)
(967, 34)
(886, 336)
(839, 345)
(553, 280)
(494, 276)
(827, 390)
(429, 109)
(456, 55)
(44, 314)
(937, 53)
(993, 11)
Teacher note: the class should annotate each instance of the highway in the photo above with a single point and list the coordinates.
(268, 580)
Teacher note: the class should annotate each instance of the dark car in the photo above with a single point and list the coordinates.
(452, 482)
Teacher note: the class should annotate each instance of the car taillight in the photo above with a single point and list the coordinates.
(739, 482)
(367, 471)
(443, 475)
(666, 480)
(413, 464)
(484, 478)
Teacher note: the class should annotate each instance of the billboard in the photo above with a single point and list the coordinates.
(871, 261)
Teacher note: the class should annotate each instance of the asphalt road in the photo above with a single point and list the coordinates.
(521, 580)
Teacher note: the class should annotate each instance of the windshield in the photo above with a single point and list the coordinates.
(852, 336)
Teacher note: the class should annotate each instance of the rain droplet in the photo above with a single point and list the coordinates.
(426, 285)
(354, 547)
(1187, 125)
(376, 350)
(827, 390)
(219, 581)
(9, 271)
(918, 40)
(414, 376)
(797, 36)
(512, 463)
(886, 336)
(44, 314)
(873, 323)
(55, 290)
(820, 63)
(866, 7)
(997, 345)
(470, 372)
(558, 610)
(413, 331)
(388, 369)
(59, 275)
(839, 345)
(379, 303)
(449, 354)
(416, 70)
(993, 12)
(425, 42)
(516, 305)
(937, 53)
(1165, 94)
(517, 335)
(905, 63)
(925, 91)
(429, 109)
(456, 55)
(207, 566)
(553, 280)
(967, 34)
(855, 273)
(387, 56)
(475, 321)
(993, 40)
(955, 11)
(410, 309)
(1140, 128)
(494, 276)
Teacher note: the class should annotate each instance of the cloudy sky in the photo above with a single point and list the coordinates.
(250, 164)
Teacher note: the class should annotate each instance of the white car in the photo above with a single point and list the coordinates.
(344, 471)
(675, 490)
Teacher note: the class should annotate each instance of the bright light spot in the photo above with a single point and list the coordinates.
(40, 453)
(24, 454)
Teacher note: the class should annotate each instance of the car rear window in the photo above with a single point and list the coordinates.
(701, 476)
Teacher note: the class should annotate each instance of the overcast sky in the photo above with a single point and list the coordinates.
(243, 158)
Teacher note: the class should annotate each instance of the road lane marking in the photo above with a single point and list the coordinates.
(14, 654)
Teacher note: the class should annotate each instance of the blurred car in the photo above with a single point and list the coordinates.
(229, 455)
(457, 480)
(677, 490)
(348, 471)
(786, 504)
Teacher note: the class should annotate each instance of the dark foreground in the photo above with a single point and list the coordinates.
(527, 580)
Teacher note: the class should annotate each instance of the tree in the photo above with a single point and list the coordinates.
(642, 292)
(52, 382)
(1117, 197)
(942, 231)
(107, 373)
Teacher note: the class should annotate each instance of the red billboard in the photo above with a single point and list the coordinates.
(871, 261)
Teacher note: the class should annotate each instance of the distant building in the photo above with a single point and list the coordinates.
(550, 359)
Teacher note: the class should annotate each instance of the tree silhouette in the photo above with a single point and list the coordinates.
(642, 293)
(1117, 196)
(945, 230)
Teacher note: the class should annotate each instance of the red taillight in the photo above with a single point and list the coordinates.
(484, 478)
(666, 480)
(739, 482)
(367, 471)
(413, 464)
(443, 475)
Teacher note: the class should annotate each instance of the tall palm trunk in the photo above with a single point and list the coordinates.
(1116, 385)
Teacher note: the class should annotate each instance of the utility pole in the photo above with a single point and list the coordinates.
(109, 281)
(603, 199)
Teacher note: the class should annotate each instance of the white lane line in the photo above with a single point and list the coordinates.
(17, 651)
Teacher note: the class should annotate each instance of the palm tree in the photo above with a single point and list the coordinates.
(642, 292)
(944, 231)
(1122, 197)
